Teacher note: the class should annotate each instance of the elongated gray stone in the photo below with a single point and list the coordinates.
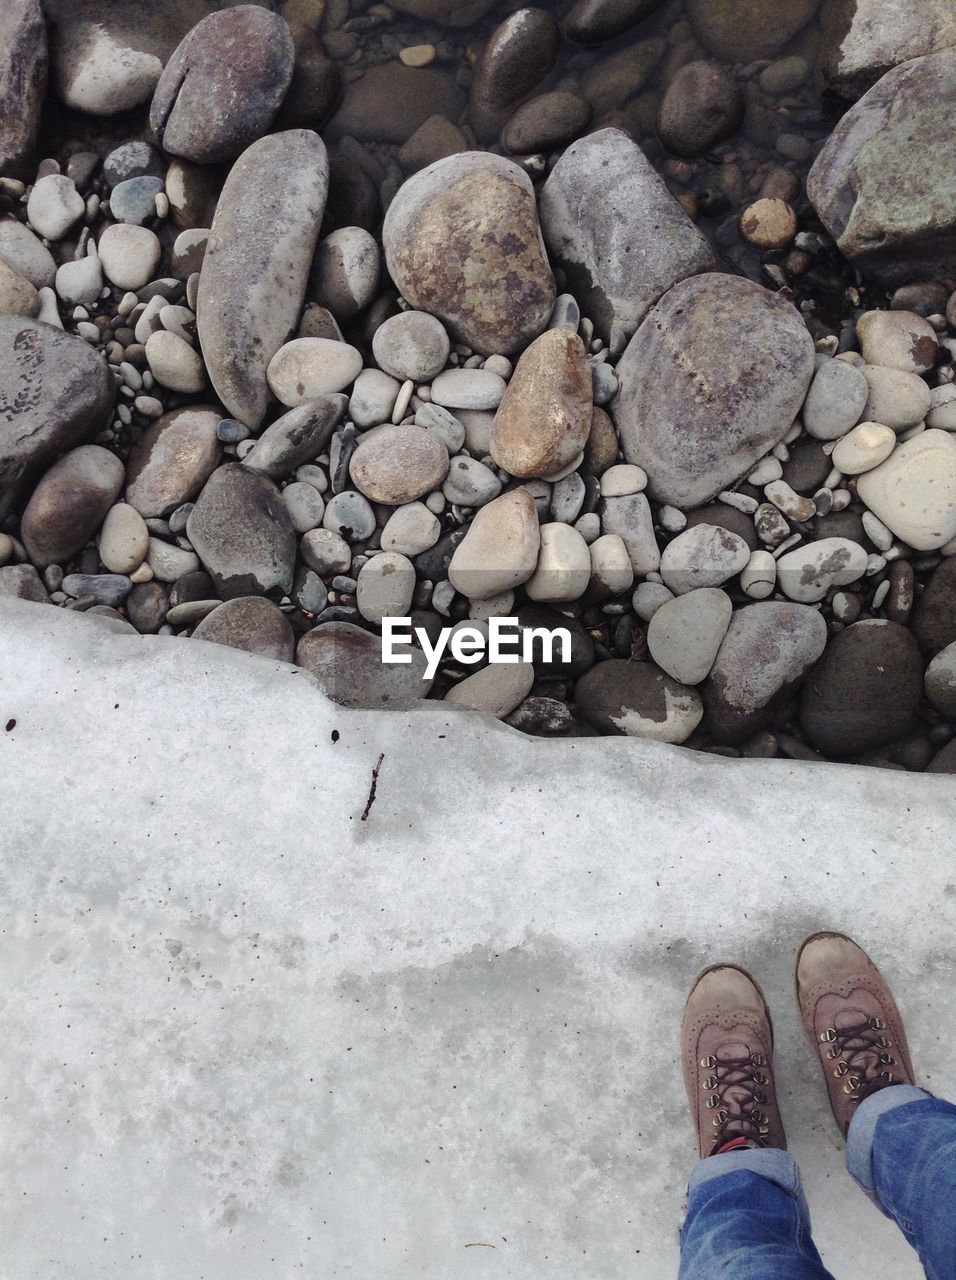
(257, 264)
(23, 76)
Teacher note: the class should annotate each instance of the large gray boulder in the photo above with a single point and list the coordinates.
(23, 75)
(55, 392)
(257, 264)
(462, 241)
(866, 38)
(713, 378)
(610, 222)
(884, 183)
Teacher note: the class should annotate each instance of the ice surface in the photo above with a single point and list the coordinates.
(248, 1035)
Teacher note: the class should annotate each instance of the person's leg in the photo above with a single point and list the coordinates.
(747, 1218)
(901, 1141)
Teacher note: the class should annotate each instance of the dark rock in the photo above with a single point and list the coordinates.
(934, 618)
(884, 184)
(23, 76)
(702, 105)
(146, 607)
(22, 582)
(593, 21)
(446, 13)
(192, 586)
(391, 101)
(315, 88)
(70, 503)
(55, 392)
(136, 159)
(432, 565)
(945, 760)
(745, 30)
(847, 523)
(433, 140)
(519, 54)
(252, 624)
(618, 77)
(639, 700)
(297, 437)
(725, 517)
(241, 531)
(109, 589)
(582, 646)
(866, 690)
(347, 662)
(807, 467)
(546, 123)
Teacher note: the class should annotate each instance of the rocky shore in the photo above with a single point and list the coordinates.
(632, 318)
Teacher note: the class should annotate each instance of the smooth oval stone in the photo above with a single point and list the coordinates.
(297, 437)
(866, 690)
(372, 398)
(702, 105)
(17, 295)
(685, 633)
(124, 539)
(470, 483)
(594, 21)
(412, 345)
(835, 401)
(519, 54)
(129, 255)
(224, 84)
(26, 253)
(252, 624)
(899, 339)
(347, 663)
(863, 448)
(257, 264)
(895, 398)
(639, 700)
(744, 30)
(411, 530)
(445, 251)
(134, 200)
(768, 649)
(710, 382)
(621, 238)
(54, 205)
(807, 573)
(617, 77)
(174, 363)
(55, 392)
(495, 690)
(242, 533)
(348, 515)
(307, 368)
(385, 587)
(391, 101)
(345, 272)
(940, 682)
(500, 549)
(468, 389)
(563, 570)
(23, 78)
(22, 582)
(69, 504)
(914, 491)
(397, 464)
(703, 556)
(135, 159)
(172, 460)
(546, 122)
(544, 418)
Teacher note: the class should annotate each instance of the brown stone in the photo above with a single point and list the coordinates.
(544, 418)
(250, 623)
(70, 503)
(172, 460)
(397, 464)
(602, 446)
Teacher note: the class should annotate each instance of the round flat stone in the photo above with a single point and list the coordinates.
(307, 368)
(397, 464)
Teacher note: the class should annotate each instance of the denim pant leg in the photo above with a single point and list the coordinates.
(901, 1149)
(747, 1219)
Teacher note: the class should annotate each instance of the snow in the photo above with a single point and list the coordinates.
(248, 1034)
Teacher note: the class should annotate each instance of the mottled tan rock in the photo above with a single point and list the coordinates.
(172, 460)
(257, 264)
(69, 503)
(544, 418)
(602, 446)
(500, 549)
(124, 539)
(462, 242)
(397, 464)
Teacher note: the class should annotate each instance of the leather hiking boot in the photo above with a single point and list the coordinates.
(853, 1021)
(727, 1051)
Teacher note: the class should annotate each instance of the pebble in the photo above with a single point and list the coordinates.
(897, 339)
(411, 345)
(611, 570)
(54, 206)
(758, 579)
(134, 201)
(835, 401)
(863, 448)
(790, 503)
(618, 481)
(684, 634)
(386, 585)
(546, 123)
(544, 418)
(517, 56)
(942, 412)
(251, 624)
(703, 556)
(124, 539)
(469, 483)
(350, 515)
(639, 700)
(397, 464)
(305, 506)
(940, 682)
(630, 517)
(895, 398)
(372, 398)
(768, 224)
(495, 690)
(500, 548)
(410, 530)
(563, 569)
(295, 438)
(468, 389)
(80, 283)
(345, 272)
(307, 368)
(169, 562)
(129, 255)
(174, 364)
(172, 460)
(241, 531)
(325, 551)
(807, 573)
(914, 491)
(69, 504)
(134, 159)
(346, 660)
(449, 428)
(568, 497)
(418, 55)
(26, 254)
(701, 106)
(17, 295)
(109, 589)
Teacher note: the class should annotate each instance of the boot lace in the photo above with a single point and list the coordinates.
(861, 1053)
(736, 1094)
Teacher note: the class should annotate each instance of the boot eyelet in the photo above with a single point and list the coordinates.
(828, 1035)
(833, 1052)
(710, 1061)
(710, 1083)
(877, 1024)
(712, 1101)
(840, 1069)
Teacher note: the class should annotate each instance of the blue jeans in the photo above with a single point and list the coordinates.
(747, 1218)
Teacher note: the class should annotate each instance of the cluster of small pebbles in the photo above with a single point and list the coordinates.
(600, 316)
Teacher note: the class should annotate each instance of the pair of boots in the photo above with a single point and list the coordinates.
(727, 1043)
